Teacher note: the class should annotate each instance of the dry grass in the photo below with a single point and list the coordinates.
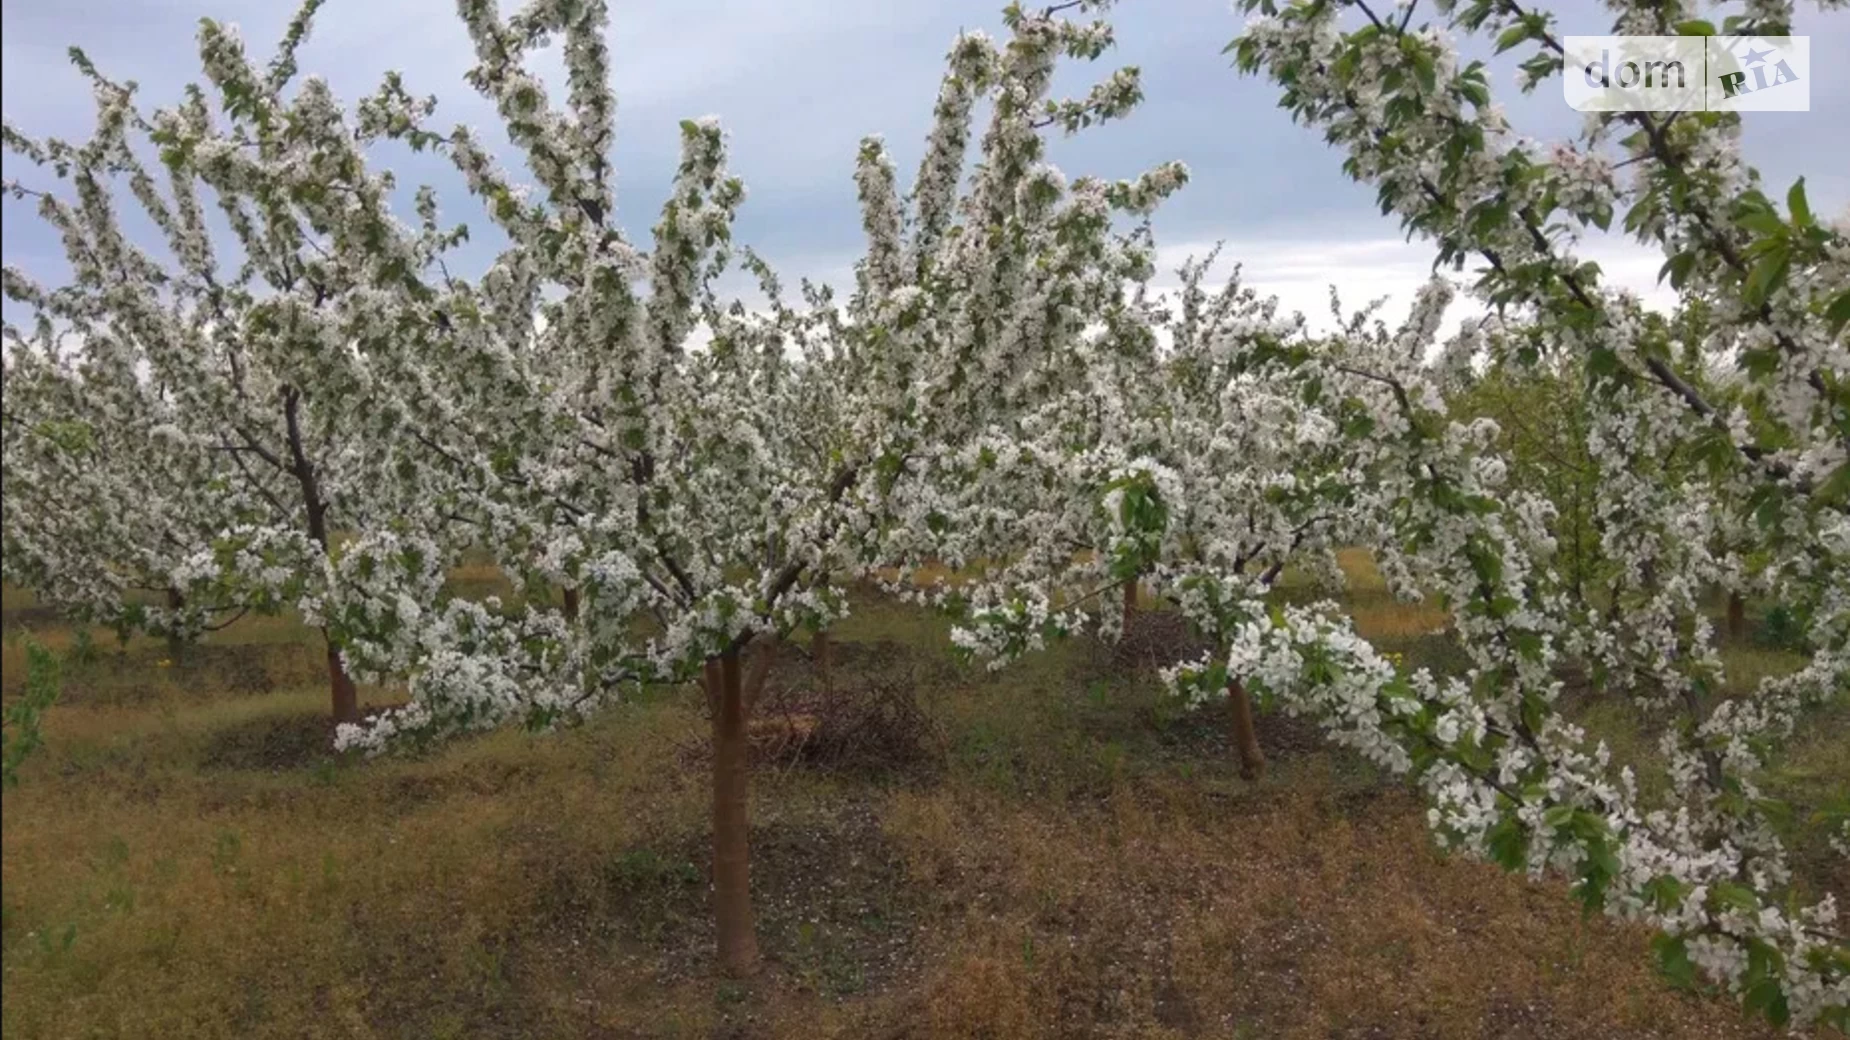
(186, 859)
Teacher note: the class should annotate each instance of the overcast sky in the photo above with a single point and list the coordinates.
(798, 82)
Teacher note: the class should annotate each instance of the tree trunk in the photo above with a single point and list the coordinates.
(346, 695)
(1737, 617)
(1130, 598)
(1245, 737)
(732, 891)
(571, 603)
(176, 646)
(819, 649)
(1613, 607)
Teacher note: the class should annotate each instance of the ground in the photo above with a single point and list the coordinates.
(1054, 850)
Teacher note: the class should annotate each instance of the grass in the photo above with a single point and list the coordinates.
(186, 858)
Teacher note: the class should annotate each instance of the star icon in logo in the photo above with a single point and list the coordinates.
(1754, 57)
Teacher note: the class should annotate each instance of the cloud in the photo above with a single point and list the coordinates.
(1301, 272)
(799, 82)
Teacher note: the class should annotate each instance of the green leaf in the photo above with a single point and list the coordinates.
(1423, 71)
(1729, 894)
(1666, 892)
(1795, 200)
(1509, 843)
(1761, 221)
(1759, 362)
(1678, 268)
(1768, 998)
(1780, 813)
(1835, 489)
(1838, 311)
(1673, 960)
(1767, 274)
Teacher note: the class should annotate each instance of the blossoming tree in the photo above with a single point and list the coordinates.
(102, 509)
(1510, 777)
(231, 418)
(1185, 456)
(1706, 868)
(706, 501)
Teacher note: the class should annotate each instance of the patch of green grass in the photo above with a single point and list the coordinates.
(188, 858)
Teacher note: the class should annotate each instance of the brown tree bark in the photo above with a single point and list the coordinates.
(346, 697)
(732, 893)
(176, 647)
(571, 603)
(1737, 618)
(819, 649)
(1245, 737)
(346, 694)
(1130, 598)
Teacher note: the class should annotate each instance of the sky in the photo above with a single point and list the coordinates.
(797, 83)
